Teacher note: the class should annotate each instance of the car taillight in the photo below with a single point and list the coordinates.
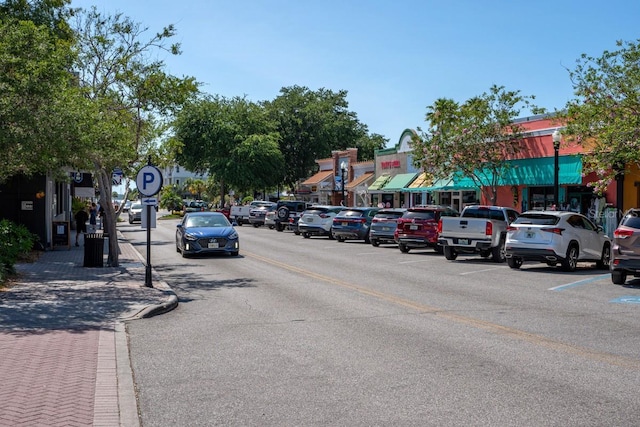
(622, 234)
(322, 215)
(440, 226)
(554, 230)
(375, 220)
(488, 229)
(511, 228)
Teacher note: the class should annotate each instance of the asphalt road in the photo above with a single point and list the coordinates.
(314, 332)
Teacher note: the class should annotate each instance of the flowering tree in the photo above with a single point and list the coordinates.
(473, 139)
(605, 115)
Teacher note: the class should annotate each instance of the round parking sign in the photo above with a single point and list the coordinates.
(149, 180)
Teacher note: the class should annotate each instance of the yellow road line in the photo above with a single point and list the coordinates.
(539, 340)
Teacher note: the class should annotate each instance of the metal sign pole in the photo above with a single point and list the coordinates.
(147, 272)
(149, 183)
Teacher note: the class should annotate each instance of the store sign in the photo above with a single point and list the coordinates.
(391, 164)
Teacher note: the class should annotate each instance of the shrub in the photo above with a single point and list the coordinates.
(16, 241)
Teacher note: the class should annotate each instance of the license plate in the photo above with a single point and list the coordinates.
(308, 220)
(386, 228)
(529, 235)
(463, 241)
(213, 245)
(413, 227)
(344, 224)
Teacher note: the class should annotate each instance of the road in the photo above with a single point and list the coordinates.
(314, 332)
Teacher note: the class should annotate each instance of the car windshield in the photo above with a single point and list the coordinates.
(351, 213)
(537, 219)
(316, 211)
(484, 213)
(388, 215)
(631, 219)
(420, 215)
(206, 221)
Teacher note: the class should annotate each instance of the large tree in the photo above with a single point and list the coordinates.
(605, 115)
(312, 124)
(40, 106)
(231, 139)
(130, 98)
(472, 139)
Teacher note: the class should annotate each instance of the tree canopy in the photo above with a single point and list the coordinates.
(605, 115)
(473, 139)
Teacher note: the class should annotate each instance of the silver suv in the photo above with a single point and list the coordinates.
(317, 221)
(625, 250)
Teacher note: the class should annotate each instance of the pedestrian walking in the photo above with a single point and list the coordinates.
(81, 218)
(93, 215)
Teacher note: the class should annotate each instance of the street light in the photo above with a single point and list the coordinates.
(556, 168)
(343, 168)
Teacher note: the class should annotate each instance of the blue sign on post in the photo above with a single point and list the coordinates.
(149, 181)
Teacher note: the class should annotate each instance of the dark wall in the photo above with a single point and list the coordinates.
(25, 189)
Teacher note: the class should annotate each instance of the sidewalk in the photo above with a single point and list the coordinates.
(64, 357)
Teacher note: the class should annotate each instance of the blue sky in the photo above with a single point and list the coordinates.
(394, 57)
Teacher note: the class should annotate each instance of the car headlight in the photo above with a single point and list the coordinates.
(190, 237)
(233, 236)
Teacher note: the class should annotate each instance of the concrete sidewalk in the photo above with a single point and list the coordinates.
(64, 357)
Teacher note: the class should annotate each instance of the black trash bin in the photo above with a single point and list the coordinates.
(93, 250)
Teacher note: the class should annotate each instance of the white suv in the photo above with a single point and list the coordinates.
(556, 237)
(317, 221)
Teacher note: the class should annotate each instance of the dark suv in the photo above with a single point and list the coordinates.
(418, 227)
(287, 214)
(383, 225)
(625, 249)
(353, 223)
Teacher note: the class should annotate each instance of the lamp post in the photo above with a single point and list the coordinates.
(556, 168)
(343, 169)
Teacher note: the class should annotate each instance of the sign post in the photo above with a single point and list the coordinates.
(149, 183)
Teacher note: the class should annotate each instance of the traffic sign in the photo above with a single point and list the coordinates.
(150, 201)
(149, 180)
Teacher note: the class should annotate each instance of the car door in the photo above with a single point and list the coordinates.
(595, 239)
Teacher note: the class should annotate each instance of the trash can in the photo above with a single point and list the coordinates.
(93, 250)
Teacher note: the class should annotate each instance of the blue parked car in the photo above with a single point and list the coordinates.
(353, 224)
(206, 232)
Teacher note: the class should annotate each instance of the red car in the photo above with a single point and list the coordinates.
(418, 227)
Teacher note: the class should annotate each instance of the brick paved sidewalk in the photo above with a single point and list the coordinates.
(64, 359)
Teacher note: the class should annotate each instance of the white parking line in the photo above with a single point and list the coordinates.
(480, 271)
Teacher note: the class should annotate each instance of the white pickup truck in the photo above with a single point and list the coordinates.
(478, 229)
(240, 213)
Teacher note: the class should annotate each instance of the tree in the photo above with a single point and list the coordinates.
(605, 115)
(41, 108)
(231, 139)
(312, 124)
(195, 186)
(170, 198)
(130, 99)
(472, 139)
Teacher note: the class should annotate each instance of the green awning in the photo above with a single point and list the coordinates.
(379, 183)
(536, 171)
(399, 182)
(540, 171)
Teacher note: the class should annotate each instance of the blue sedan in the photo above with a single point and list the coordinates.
(206, 232)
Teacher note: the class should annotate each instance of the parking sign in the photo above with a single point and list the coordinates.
(149, 181)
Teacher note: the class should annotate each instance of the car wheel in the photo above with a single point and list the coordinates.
(340, 239)
(283, 213)
(279, 227)
(297, 233)
(256, 225)
(449, 253)
(375, 243)
(605, 259)
(271, 227)
(497, 252)
(403, 248)
(438, 249)
(366, 239)
(618, 277)
(306, 235)
(571, 260)
(331, 236)
(177, 248)
(514, 262)
(235, 253)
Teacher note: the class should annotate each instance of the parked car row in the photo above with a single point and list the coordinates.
(556, 238)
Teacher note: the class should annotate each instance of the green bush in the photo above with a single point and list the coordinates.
(16, 241)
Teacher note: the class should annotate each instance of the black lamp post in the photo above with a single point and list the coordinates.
(556, 167)
(343, 169)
